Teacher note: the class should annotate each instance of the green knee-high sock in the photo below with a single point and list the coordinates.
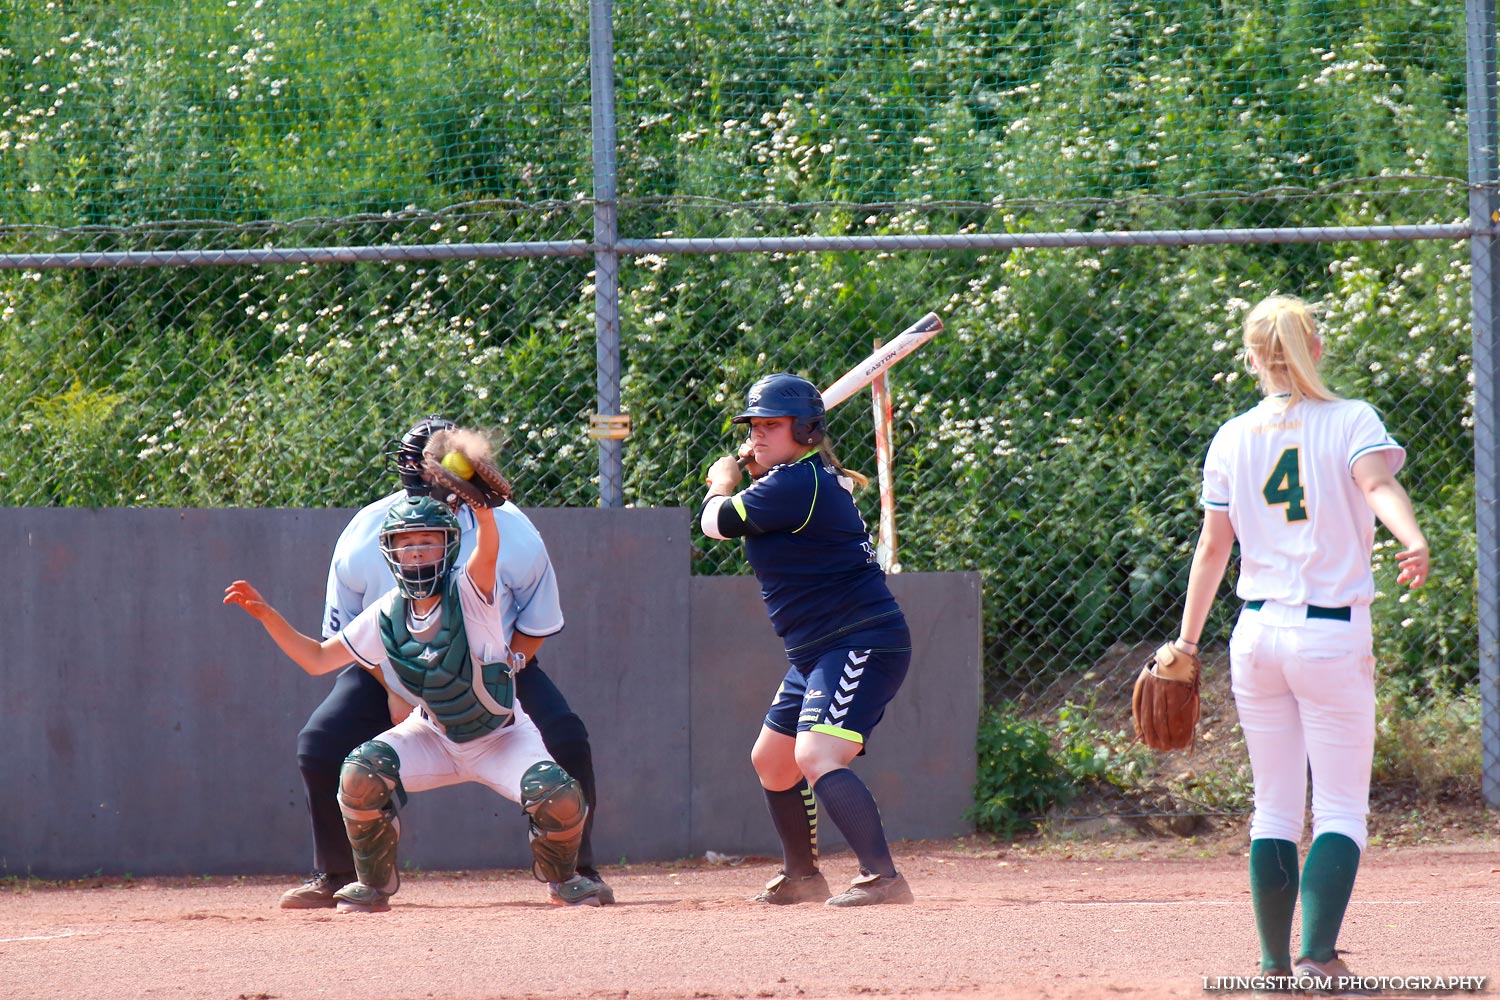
(1327, 884)
(1273, 893)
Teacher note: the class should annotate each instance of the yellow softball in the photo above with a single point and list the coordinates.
(456, 463)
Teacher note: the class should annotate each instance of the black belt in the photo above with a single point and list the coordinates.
(1313, 611)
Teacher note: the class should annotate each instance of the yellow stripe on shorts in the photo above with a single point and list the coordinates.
(843, 734)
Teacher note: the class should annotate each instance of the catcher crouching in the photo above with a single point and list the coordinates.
(436, 642)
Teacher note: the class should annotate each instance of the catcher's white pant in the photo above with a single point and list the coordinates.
(431, 760)
(1305, 692)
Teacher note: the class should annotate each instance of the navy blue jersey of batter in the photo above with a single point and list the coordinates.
(846, 639)
(845, 636)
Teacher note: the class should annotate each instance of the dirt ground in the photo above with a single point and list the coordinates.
(1052, 920)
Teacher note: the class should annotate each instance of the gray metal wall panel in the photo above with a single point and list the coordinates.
(149, 729)
(622, 662)
(921, 760)
(146, 727)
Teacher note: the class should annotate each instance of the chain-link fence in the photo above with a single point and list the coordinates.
(243, 243)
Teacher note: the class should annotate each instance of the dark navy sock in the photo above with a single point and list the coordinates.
(794, 813)
(853, 810)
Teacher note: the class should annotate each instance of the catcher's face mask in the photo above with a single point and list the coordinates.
(419, 541)
(419, 561)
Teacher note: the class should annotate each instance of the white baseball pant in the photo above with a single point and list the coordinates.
(1305, 692)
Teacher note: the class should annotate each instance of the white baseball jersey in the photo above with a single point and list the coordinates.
(1304, 528)
(482, 624)
(525, 584)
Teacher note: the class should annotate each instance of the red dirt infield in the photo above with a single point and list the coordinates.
(990, 920)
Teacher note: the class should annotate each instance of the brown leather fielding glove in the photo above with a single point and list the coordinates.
(1165, 704)
(483, 486)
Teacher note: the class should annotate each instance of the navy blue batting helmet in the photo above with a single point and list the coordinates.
(787, 395)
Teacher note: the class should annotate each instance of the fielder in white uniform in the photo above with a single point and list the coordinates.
(439, 643)
(1299, 480)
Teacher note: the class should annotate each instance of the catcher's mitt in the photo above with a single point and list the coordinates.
(448, 454)
(1165, 704)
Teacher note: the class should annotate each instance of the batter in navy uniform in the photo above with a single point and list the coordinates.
(846, 638)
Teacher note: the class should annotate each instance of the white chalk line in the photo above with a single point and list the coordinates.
(47, 937)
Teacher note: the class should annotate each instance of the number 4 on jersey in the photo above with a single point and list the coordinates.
(1285, 486)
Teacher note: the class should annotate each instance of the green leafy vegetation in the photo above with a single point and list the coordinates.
(1019, 776)
(1050, 439)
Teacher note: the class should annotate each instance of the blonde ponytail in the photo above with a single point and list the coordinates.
(1281, 336)
(825, 450)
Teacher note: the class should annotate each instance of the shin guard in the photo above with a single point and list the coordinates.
(557, 810)
(371, 773)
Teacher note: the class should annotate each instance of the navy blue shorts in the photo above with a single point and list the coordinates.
(843, 689)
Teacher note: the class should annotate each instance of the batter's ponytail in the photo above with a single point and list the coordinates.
(1281, 337)
(825, 450)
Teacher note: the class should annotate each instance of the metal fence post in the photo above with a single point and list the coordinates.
(1484, 255)
(606, 257)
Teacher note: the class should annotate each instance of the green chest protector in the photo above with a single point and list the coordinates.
(441, 673)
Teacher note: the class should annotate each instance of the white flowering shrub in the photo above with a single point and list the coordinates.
(1050, 438)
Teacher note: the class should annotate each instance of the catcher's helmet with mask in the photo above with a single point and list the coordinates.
(419, 514)
(787, 395)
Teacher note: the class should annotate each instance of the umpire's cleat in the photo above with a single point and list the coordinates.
(317, 892)
(869, 889)
(784, 889)
(606, 894)
(576, 891)
(356, 897)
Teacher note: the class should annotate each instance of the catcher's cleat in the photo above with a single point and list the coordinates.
(356, 897)
(576, 891)
(870, 889)
(784, 889)
(1330, 978)
(606, 894)
(317, 892)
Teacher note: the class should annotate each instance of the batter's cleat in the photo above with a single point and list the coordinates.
(606, 894)
(317, 892)
(1330, 978)
(870, 889)
(576, 891)
(784, 889)
(356, 897)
